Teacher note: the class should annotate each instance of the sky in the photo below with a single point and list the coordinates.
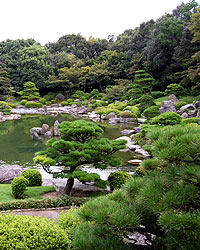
(48, 20)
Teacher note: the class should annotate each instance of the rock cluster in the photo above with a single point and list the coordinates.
(45, 131)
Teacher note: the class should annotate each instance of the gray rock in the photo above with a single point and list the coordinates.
(128, 139)
(173, 98)
(55, 105)
(135, 162)
(198, 113)
(109, 116)
(37, 130)
(127, 132)
(83, 110)
(114, 120)
(56, 129)
(48, 134)
(77, 100)
(141, 120)
(35, 136)
(45, 128)
(60, 97)
(192, 113)
(8, 173)
(167, 106)
(184, 115)
(187, 107)
(197, 104)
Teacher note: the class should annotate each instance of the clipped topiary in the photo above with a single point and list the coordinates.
(27, 232)
(23, 102)
(33, 176)
(151, 112)
(168, 118)
(5, 108)
(190, 120)
(33, 105)
(118, 179)
(178, 105)
(19, 185)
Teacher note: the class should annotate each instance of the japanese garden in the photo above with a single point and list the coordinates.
(106, 131)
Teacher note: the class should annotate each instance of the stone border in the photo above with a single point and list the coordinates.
(34, 209)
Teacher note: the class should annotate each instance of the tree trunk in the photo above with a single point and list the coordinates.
(69, 186)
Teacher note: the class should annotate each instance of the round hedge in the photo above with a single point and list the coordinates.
(19, 185)
(23, 232)
(33, 176)
(118, 179)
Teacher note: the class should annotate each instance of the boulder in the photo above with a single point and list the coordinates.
(198, 113)
(167, 106)
(8, 173)
(127, 132)
(48, 134)
(197, 104)
(110, 116)
(184, 115)
(173, 98)
(187, 107)
(35, 136)
(135, 162)
(128, 139)
(114, 120)
(56, 131)
(37, 130)
(45, 128)
(60, 97)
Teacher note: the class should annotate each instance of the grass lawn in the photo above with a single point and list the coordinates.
(158, 101)
(32, 192)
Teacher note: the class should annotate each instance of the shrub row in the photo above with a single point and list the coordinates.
(45, 203)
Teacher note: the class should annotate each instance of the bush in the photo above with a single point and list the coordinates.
(12, 105)
(117, 179)
(157, 94)
(190, 120)
(151, 112)
(69, 220)
(168, 118)
(33, 105)
(178, 105)
(64, 103)
(23, 102)
(118, 105)
(5, 108)
(127, 115)
(106, 111)
(45, 203)
(27, 232)
(33, 176)
(43, 100)
(19, 185)
(175, 89)
(50, 96)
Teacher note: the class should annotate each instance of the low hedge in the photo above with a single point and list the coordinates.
(45, 203)
(33, 105)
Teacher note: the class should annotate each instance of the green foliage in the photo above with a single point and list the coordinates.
(64, 103)
(117, 105)
(151, 112)
(23, 102)
(118, 179)
(30, 91)
(69, 220)
(27, 232)
(145, 101)
(127, 115)
(80, 144)
(178, 105)
(33, 176)
(19, 186)
(62, 201)
(157, 94)
(33, 105)
(5, 108)
(175, 89)
(106, 111)
(190, 120)
(43, 100)
(168, 118)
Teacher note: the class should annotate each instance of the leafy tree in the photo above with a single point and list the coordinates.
(80, 144)
(175, 89)
(5, 82)
(30, 92)
(162, 206)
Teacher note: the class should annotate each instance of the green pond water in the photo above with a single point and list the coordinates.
(18, 147)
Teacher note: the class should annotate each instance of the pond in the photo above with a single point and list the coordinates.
(17, 146)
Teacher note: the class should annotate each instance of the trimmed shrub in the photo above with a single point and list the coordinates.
(190, 120)
(43, 100)
(64, 103)
(151, 112)
(168, 118)
(23, 102)
(127, 115)
(45, 203)
(106, 111)
(12, 105)
(5, 108)
(19, 185)
(33, 176)
(175, 89)
(178, 105)
(118, 105)
(27, 232)
(33, 105)
(118, 179)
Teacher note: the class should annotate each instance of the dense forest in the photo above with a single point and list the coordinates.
(164, 51)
